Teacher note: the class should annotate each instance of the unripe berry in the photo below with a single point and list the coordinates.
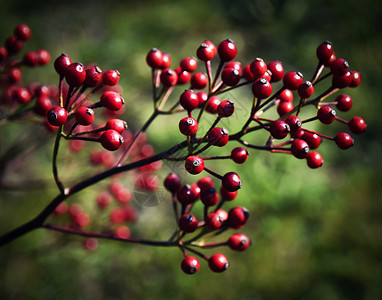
(23, 32)
(227, 195)
(277, 70)
(230, 76)
(324, 51)
(339, 66)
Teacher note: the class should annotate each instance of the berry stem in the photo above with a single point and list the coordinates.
(320, 67)
(54, 160)
(213, 173)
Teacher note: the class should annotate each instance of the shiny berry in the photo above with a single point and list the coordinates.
(300, 148)
(230, 76)
(186, 195)
(212, 105)
(22, 95)
(117, 125)
(284, 107)
(344, 102)
(203, 97)
(305, 90)
(111, 77)
(43, 57)
(227, 50)
(218, 263)
(239, 155)
(277, 70)
(286, 95)
(209, 197)
(190, 265)
(237, 217)
(356, 79)
(189, 100)
(239, 242)
(194, 164)
(261, 88)
(324, 51)
(205, 183)
(84, 115)
(339, 66)
(218, 136)
(75, 74)
(154, 58)
(231, 182)
(183, 76)
(199, 80)
(213, 221)
(234, 65)
(279, 129)
(227, 195)
(42, 105)
(111, 140)
(172, 183)
(189, 64)
(258, 67)
(313, 139)
(188, 126)
(206, 51)
(57, 115)
(23, 32)
(112, 100)
(247, 73)
(292, 80)
(357, 125)
(342, 81)
(326, 114)
(166, 61)
(314, 160)
(30, 59)
(61, 64)
(188, 223)
(14, 75)
(294, 123)
(93, 76)
(344, 140)
(168, 77)
(226, 108)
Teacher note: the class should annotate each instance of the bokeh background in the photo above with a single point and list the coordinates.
(317, 234)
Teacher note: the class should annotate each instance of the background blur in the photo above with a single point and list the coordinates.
(317, 234)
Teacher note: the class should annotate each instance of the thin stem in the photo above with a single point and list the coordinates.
(54, 160)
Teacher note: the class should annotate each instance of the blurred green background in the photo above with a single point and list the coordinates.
(317, 234)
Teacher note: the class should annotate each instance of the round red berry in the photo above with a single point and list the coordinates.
(247, 73)
(313, 139)
(231, 182)
(203, 97)
(75, 74)
(93, 76)
(279, 129)
(239, 242)
(344, 140)
(199, 80)
(188, 126)
(111, 77)
(230, 76)
(206, 51)
(344, 102)
(305, 90)
(342, 81)
(339, 66)
(111, 140)
(166, 61)
(227, 195)
(258, 67)
(324, 51)
(356, 79)
(185, 195)
(154, 58)
(294, 123)
(57, 115)
(326, 114)
(194, 164)
(172, 183)
(42, 105)
(209, 196)
(117, 125)
(168, 77)
(226, 108)
(284, 108)
(188, 64)
(112, 100)
(357, 125)
(84, 115)
(189, 100)
(23, 32)
(218, 136)
(239, 155)
(227, 50)
(188, 223)
(190, 265)
(292, 80)
(237, 217)
(213, 221)
(30, 59)
(261, 88)
(183, 76)
(314, 160)
(286, 95)
(43, 57)
(213, 104)
(300, 148)
(218, 263)
(277, 70)
(61, 64)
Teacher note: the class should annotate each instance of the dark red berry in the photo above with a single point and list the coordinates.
(284, 108)
(356, 79)
(314, 160)
(206, 51)
(111, 77)
(188, 223)
(57, 115)
(205, 183)
(14, 75)
(166, 61)
(247, 73)
(168, 77)
(218, 136)
(339, 66)
(230, 76)
(239, 155)
(189, 64)
(234, 65)
(43, 57)
(286, 95)
(75, 74)
(23, 32)
(116, 124)
(212, 105)
(226, 108)
(305, 90)
(199, 81)
(227, 50)
(112, 100)
(190, 265)
(261, 88)
(22, 95)
(194, 164)
(111, 140)
(154, 58)
(61, 64)
(3, 53)
(344, 140)
(292, 80)
(231, 182)
(213, 221)
(237, 217)
(258, 67)
(189, 100)
(42, 105)
(13, 44)
(313, 139)
(331, 59)
(218, 263)
(186, 195)
(277, 70)
(30, 59)
(188, 126)
(183, 76)
(300, 148)
(279, 129)
(93, 76)
(203, 97)
(239, 242)
(357, 125)
(84, 115)
(294, 123)
(196, 190)
(326, 114)
(267, 75)
(342, 81)
(344, 102)
(324, 51)
(209, 197)
(227, 195)
(172, 183)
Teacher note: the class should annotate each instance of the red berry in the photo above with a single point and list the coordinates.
(357, 125)
(3, 53)
(356, 79)
(22, 95)
(206, 51)
(326, 114)
(117, 125)
(42, 105)
(218, 136)
(279, 129)
(261, 88)
(84, 115)
(284, 107)
(239, 242)
(43, 57)
(213, 221)
(294, 123)
(277, 70)
(324, 51)
(199, 81)
(61, 64)
(186, 195)
(166, 61)
(183, 76)
(57, 116)
(23, 32)
(226, 108)
(189, 64)
(222, 214)
(258, 67)
(111, 140)
(111, 77)
(205, 183)
(227, 195)
(342, 81)
(91, 244)
(305, 90)
(247, 73)
(286, 95)
(75, 74)
(239, 155)
(14, 75)
(328, 62)
(103, 199)
(227, 50)
(13, 44)
(30, 59)
(218, 263)
(231, 182)
(234, 65)
(172, 183)
(230, 76)
(339, 66)
(168, 77)
(344, 140)
(190, 265)
(189, 100)
(122, 232)
(188, 223)
(188, 126)
(194, 164)
(314, 160)
(93, 76)
(154, 58)
(212, 105)
(237, 217)
(313, 139)
(209, 197)
(300, 148)
(203, 97)
(344, 102)
(112, 100)
(292, 80)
